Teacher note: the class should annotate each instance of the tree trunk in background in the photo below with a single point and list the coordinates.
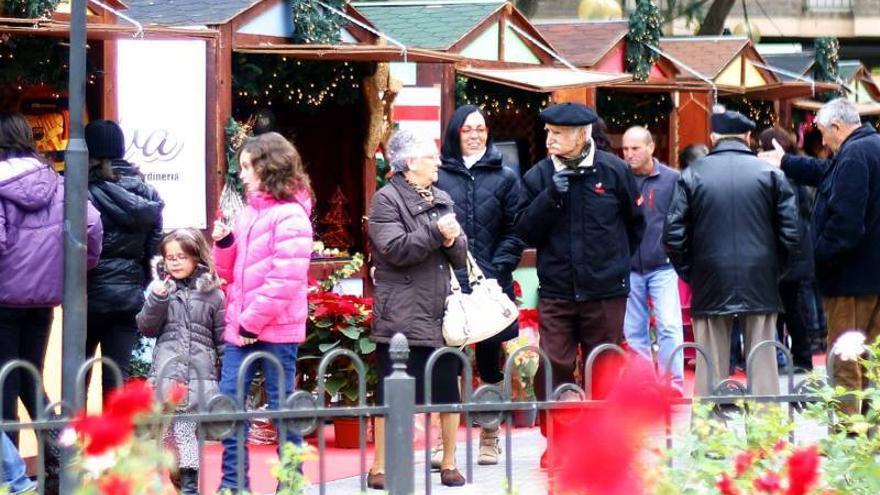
(713, 23)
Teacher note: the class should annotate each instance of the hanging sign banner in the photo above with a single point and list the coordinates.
(161, 88)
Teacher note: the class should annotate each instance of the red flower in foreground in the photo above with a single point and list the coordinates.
(614, 432)
(102, 433)
(115, 485)
(725, 485)
(134, 398)
(768, 483)
(743, 462)
(177, 393)
(803, 470)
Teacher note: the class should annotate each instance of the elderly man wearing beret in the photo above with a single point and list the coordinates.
(582, 210)
(730, 227)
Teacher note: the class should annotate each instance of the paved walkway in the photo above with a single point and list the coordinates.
(528, 478)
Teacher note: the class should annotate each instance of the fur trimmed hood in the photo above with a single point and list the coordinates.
(202, 279)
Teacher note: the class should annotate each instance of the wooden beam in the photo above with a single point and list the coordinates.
(502, 32)
(218, 111)
(109, 106)
(447, 95)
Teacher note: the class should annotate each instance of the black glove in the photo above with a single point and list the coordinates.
(561, 182)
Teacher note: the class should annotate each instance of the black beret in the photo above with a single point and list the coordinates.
(731, 123)
(570, 114)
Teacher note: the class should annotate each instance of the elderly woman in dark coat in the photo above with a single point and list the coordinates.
(416, 242)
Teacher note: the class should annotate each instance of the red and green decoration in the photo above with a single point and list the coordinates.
(27, 9)
(645, 28)
(336, 222)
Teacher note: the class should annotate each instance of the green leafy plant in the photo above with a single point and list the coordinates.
(28, 9)
(338, 321)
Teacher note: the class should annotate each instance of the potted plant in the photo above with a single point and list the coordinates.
(339, 321)
(525, 367)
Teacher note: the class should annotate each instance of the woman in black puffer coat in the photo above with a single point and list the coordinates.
(131, 211)
(486, 196)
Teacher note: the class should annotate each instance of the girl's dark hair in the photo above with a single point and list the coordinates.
(600, 136)
(16, 137)
(690, 154)
(278, 165)
(765, 139)
(193, 243)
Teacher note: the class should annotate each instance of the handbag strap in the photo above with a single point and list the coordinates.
(475, 275)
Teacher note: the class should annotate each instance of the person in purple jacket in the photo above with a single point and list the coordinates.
(31, 256)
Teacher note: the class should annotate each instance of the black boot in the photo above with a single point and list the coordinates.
(189, 481)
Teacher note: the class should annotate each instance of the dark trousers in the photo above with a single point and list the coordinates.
(24, 334)
(795, 322)
(117, 334)
(568, 326)
(488, 357)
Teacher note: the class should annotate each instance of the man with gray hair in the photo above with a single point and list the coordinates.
(731, 226)
(846, 227)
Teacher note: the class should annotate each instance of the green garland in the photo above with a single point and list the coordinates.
(645, 28)
(313, 24)
(28, 9)
(496, 98)
(827, 59)
(827, 65)
(236, 133)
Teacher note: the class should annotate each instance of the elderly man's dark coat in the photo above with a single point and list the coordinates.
(412, 268)
(731, 226)
(846, 218)
(586, 237)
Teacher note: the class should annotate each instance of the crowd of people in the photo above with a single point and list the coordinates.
(743, 236)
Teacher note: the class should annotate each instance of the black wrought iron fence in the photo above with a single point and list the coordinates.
(304, 412)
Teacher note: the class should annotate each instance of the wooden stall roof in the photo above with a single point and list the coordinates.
(790, 89)
(53, 27)
(544, 79)
(352, 53)
(871, 108)
(800, 63)
(583, 43)
(707, 55)
(437, 25)
(186, 12)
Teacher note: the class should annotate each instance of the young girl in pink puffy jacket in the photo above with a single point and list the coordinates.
(264, 259)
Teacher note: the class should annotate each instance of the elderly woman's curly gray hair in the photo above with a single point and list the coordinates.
(404, 145)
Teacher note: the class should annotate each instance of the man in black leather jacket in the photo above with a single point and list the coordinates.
(730, 228)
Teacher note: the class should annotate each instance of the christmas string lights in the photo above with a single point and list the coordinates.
(494, 99)
(268, 80)
(36, 61)
(624, 110)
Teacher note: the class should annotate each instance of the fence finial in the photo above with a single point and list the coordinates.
(399, 351)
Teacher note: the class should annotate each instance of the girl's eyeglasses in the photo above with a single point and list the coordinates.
(179, 257)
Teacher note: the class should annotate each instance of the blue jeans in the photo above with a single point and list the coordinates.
(661, 287)
(14, 473)
(233, 357)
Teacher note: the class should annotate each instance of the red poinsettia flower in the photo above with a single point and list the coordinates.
(743, 462)
(134, 398)
(769, 482)
(725, 485)
(115, 485)
(528, 318)
(102, 432)
(803, 470)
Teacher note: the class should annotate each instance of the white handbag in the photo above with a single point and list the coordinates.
(482, 314)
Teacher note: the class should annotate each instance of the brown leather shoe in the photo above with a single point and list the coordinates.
(376, 481)
(451, 477)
